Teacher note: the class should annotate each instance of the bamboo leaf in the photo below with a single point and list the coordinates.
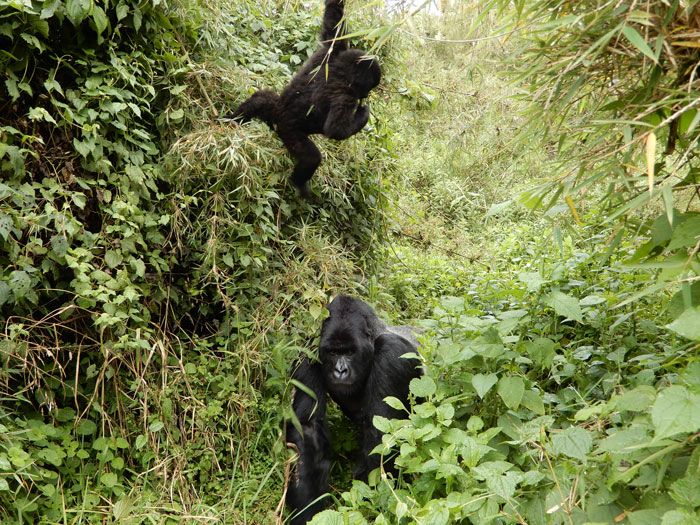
(638, 41)
(650, 150)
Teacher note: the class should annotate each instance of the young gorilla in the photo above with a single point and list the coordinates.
(325, 96)
(360, 365)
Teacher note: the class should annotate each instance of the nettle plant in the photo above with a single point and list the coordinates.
(529, 414)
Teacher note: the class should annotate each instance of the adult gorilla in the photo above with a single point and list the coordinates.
(360, 364)
(323, 97)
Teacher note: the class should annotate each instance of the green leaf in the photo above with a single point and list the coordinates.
(483, 383)
(77, 10)
(688, 324)
(156, 426)
(20, 283)
(686, 491)
(59, 245)
(141, 440)
(533, 401)
(564, 305)
(113, 258)
(394, 403)
(637, 399)
(533, 280)
(109, 479)
(86, 427)
(511, 390)
(79, 200)
(541, 351)
(676, 411)
(4, 486)
(423, 386)
(100, 19)
(574, 442)
(686, 234)
(638, 41)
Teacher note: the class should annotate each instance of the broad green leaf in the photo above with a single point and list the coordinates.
(86, 427)
(109, 479)
(77, 10)
(638, 41)
(511, 390)
(564, 305)
(482, 383)
(541, 351)
(574, 442)
(688, 324)
(676, 411)
(394, 403)
(686, 491)
(533, 401)
(423, 386)
(533, 280)
(20, 283)
(637, 399)
(100, 19)
(113, 258)
(686, 234)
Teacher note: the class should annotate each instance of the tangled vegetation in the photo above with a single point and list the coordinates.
(159, 274)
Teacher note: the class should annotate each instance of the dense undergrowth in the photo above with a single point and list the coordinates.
(159, 275)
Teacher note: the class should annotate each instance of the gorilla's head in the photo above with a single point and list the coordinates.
(365, 73)
(347, 344)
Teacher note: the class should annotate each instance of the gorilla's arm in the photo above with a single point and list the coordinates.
(333, 26)
(390, 376)
(309, 480)
(345, 118)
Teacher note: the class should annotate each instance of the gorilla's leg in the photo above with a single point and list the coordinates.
(390, 376)
(261, 104)
(306, 155)
(309, 479)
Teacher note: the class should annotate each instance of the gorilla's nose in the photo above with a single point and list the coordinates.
(341, 371)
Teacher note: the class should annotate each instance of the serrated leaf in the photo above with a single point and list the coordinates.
(574, 442)
(423, 386)
(676, 411)
(511, 390)
(638, 41)
(564, 305)
(482, 383)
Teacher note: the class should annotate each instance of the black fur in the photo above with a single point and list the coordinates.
(324, 97)
(360, 365)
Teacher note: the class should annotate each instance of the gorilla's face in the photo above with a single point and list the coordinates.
(347, 346)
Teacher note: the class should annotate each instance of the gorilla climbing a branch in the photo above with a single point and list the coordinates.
(360, 364)
(325, 96)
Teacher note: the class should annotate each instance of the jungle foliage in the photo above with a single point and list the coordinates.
(159, 275)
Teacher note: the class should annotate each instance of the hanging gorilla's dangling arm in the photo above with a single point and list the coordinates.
(345, 119)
